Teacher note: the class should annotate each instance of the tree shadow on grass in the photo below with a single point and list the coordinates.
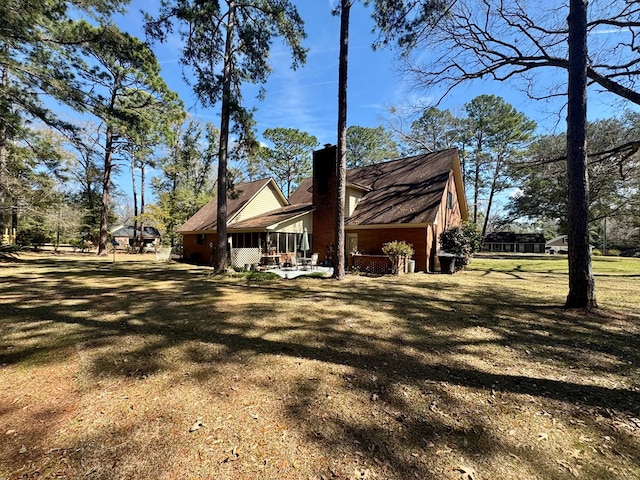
(418, 397)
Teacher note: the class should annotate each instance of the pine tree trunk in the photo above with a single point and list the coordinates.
(141, 249)
(476, 190)
(220, 261)
(341, 174)
(4, 207)
(4, 191)
(581, 281)
(106, 185)
(134, 192)
(492, 191)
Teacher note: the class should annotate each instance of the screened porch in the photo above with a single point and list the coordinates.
(248, 248)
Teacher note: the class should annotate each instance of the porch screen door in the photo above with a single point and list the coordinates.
(352, 242)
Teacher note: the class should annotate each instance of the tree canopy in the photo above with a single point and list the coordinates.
(288, 161)
(123, 88)
(37, 61)
(511, 40)
(369, 145)
(227, 44)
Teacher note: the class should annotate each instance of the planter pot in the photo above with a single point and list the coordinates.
(447, 263)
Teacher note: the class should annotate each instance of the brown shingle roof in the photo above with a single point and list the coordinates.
(302, 194)
(408, 190)
(511, 237)
(205, 219)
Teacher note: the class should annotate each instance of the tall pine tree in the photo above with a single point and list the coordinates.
(227, 44)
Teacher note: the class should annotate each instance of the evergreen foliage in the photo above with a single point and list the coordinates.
(462, 241)
(369, 145)
(288, 162)
(226, 48)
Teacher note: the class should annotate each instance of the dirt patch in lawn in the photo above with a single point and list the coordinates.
(142, 370)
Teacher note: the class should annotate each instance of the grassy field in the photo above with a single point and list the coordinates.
(141, 370)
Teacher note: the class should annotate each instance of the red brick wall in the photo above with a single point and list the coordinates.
(447, 218)
(371, 240)
(195, 253)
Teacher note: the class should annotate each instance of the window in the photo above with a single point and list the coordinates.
(247, 240)
(200, 239)
(450, 200)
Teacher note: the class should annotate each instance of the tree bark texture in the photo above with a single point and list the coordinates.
(106, 186)
(141, 248)
(492, 191)
(221, 254)
(134, 192)
(339, 264)
(4, 207)
(581, 281)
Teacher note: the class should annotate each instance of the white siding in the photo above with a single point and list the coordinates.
(265, 201)
(296, 225)
(353, 196)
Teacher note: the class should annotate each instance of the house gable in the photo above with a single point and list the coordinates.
(405, 191)
(291, 218)
(267, 199)
(246, 200)
(560, 241)
(353, 195)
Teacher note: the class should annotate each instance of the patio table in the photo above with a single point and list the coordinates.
(270, 260)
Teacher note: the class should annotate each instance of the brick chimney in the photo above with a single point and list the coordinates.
(325, 173)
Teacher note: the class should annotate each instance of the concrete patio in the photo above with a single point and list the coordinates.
(291, 272)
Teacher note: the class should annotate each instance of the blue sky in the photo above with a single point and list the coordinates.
(307, 98)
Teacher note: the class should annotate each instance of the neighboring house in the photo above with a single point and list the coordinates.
(559, 244)
(412, 199)
(514, 242)
(126, 235)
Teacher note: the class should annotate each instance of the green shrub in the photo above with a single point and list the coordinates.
(596, 252)
(462, 241)
(613, 252)
(32, 236)
(398, 248)
(80, 244)
(398, 251)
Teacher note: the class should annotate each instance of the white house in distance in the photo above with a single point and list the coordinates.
(559, 244)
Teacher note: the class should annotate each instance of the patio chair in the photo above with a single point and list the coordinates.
(314, 261)
(294, 262)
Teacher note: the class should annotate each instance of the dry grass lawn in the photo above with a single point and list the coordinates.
(141, 370)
